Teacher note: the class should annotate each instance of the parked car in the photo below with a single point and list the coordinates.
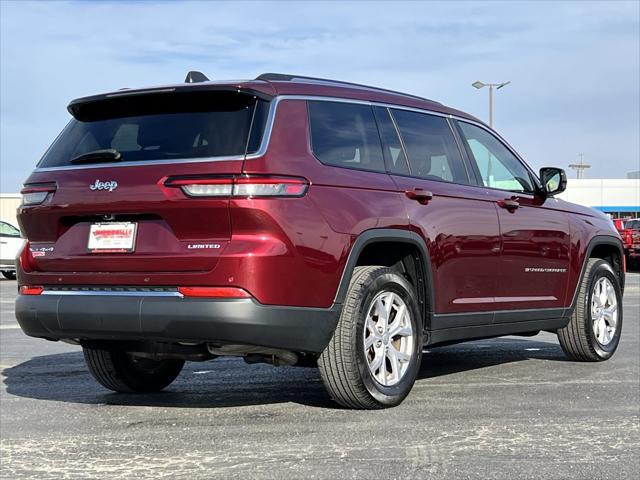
(302, 221)
(629, 230)
(633, 251)
(10, 245)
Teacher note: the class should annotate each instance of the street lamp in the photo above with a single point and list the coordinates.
(497, 86)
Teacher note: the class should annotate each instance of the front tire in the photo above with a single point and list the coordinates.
(374, 355)
(122, 372)
(593, 333)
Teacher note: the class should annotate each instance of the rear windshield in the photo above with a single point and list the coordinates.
(163, 127)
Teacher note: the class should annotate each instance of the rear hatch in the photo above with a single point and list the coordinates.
(108, 208)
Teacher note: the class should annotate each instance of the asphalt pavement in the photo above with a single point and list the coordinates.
(503, 408)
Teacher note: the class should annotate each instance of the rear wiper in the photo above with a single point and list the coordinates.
(98, 156)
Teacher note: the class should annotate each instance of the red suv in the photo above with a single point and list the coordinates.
(301, 221)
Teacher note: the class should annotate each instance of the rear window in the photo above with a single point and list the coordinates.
(163, 127)
(345, 135)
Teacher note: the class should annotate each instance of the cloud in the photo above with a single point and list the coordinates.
(574, 66)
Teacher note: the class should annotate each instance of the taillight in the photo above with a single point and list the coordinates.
(214, 292)
(240, 187)
(25, 257)
(36, 193)
(31, 290)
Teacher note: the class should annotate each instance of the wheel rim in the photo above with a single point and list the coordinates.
(388, 338)
(604, 310)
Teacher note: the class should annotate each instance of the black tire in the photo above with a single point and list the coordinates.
(9, 274)
(578, 339)
(121, 372)
(343, 365)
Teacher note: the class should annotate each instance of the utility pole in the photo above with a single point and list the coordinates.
(491, 86)
(580, 167)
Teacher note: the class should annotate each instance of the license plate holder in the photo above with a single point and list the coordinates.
(112, 237)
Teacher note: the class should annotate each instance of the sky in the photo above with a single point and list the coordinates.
(574, 66)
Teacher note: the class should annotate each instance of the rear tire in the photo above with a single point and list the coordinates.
(593, 333)
(122, 372)
(8, 274)
(374, 355)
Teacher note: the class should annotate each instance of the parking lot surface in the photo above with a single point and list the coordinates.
(503, 408)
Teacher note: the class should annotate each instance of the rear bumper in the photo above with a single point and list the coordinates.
(171, 319)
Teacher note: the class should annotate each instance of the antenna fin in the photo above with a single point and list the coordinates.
(195, 77)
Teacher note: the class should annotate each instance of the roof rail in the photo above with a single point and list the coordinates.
(284, 77)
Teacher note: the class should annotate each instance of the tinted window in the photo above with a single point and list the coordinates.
(633, 224)
(499, 168)
(345, 135)
(165, 128)
(394, 155)
(7, 230)
(431, 147)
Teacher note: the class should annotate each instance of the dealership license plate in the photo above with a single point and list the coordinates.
(112, 237)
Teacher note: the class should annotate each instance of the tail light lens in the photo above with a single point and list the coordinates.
(240, 187)
(25, 257)
(214, 292)
(37, 193)
(31, 290)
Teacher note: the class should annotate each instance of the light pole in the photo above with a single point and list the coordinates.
(497, 86)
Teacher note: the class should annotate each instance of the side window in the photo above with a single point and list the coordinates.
(394, 155)
(499, 168)
(7, 230)
(345, 135)
(431, 147)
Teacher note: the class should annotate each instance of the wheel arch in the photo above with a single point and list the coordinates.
(605, 247)
(372, 247)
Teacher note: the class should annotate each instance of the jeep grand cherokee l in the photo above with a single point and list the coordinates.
(301, 221)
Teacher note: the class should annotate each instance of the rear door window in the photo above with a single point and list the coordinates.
(431, 147)
(345, 135)
(161, 128)
(394, 155)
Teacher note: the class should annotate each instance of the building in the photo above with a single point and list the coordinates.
(8, 205)
(618, 197)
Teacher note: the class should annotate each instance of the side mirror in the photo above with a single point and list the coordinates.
(554, 180)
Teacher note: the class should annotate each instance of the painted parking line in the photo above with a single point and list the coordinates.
(10, 327)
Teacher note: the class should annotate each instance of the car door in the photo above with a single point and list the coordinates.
(534, 263)
(10, 244)
(459, 225)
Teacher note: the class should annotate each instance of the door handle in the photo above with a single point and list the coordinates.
(510, 204)
(419, 195)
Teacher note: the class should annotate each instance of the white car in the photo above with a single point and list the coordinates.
(10, 244)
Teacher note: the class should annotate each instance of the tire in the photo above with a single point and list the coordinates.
(8, 274)
(344, 364)
(121, 372)
(579, 339)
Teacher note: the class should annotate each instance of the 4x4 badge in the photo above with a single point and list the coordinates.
(98, 185)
